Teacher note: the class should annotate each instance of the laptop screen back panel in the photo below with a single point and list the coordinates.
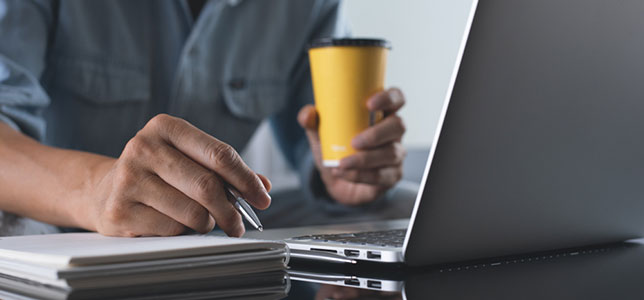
(542, 143)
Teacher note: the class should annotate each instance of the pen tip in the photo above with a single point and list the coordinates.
(260, 228)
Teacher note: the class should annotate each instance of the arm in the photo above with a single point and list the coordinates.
(171, 176)
(45, 183)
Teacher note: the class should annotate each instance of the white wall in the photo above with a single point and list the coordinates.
(425, 35)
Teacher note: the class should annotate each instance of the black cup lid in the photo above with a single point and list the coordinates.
(330, 42)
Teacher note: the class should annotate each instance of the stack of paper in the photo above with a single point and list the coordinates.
(91, 265)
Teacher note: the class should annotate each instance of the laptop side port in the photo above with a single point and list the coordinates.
(354, 282)
(324, 250)
(374, 284)
(374, 255)
(351, 253)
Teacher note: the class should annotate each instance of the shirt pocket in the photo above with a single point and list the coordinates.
(100, 83)
(255, 99)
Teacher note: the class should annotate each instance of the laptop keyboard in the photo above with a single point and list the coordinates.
(385, 238)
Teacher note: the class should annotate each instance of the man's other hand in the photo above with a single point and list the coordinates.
(377, 166)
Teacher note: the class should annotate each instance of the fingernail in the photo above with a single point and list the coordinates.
(269, 197)
(264, 203)
(336, 172)
(211, 222)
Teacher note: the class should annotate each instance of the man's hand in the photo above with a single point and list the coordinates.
(171, 176)
(377, 166)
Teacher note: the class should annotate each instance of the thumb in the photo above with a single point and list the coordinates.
(308, 119)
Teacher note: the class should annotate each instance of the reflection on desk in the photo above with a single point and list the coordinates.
(610, 272)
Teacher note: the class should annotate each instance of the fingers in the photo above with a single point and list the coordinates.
(156, 223)
(389, 155)
(214, 155)
(174, 204)
(389, 130)
(209, 190)
(198, 183)
(389, 101)
(267, 183)
(128, 220)
(382, 177)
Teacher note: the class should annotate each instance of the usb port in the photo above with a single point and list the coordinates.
(374, 284)
(373, 254)
(354, 282)
(351, 253)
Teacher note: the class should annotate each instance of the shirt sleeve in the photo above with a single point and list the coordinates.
(291, 138)
(24, 31)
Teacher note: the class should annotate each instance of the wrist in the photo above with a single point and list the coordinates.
(81, 209)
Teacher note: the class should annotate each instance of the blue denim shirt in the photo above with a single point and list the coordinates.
(87, 75)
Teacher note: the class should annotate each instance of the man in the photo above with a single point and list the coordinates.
(171, 88)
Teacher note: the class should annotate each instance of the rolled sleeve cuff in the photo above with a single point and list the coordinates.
(23, 121)
(9, 122)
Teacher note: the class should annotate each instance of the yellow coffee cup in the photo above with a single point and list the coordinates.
(345, 73)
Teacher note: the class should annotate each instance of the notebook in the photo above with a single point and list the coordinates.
(92, 261)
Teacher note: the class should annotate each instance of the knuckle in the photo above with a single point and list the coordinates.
(206, 186)
(159, 121)
(138, 147)
(222, 154)
(198, 218)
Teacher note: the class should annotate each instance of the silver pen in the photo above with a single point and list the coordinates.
(244, 208)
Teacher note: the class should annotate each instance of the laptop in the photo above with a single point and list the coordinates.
(540, 144)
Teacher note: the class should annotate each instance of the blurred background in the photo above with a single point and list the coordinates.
(425, 35)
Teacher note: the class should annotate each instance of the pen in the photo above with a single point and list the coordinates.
(244, 208)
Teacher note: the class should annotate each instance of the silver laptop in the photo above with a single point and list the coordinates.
(540, 143)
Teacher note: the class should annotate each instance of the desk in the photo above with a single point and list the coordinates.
(606, 272)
